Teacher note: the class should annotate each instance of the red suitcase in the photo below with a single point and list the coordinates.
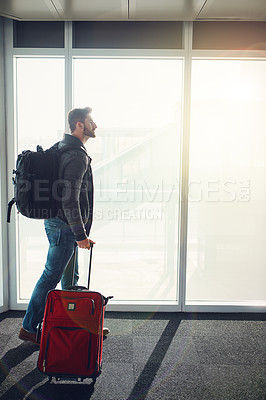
(72, 333)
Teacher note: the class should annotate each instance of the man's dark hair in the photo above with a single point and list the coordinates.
(77, 115)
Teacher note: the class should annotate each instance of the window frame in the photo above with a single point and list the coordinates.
(187, 53)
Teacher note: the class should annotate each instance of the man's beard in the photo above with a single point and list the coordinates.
(88, 133)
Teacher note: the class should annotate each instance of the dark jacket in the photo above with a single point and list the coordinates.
(76, 187)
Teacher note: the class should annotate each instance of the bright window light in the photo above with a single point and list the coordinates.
(137, 106)
(227, 196)
(40, 120)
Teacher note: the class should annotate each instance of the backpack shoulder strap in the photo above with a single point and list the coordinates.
(67, 147)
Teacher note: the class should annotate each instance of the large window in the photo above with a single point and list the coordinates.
(227, 197)
(40, 120)
(168, 117)
(137, 107)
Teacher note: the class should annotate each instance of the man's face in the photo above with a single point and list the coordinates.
(89, 127)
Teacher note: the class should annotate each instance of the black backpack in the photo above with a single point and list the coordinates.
(36, 182)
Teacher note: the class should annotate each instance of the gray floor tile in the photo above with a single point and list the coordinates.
(115, 383)
(118, 327)
(118, 349)
(174, 351)
(227, 351)
(235, 382)
(4, 339)
(166, 382)
(155, 327)
(10, 325)
(221, 328)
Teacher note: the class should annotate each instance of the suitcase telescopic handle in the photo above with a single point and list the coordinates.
(89, 274)
(74, 264)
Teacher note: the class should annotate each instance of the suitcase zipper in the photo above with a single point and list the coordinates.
(98, 366)
(89, 353)
(70, 298)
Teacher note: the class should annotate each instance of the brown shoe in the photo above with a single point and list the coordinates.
(106, 331)
(28, 336)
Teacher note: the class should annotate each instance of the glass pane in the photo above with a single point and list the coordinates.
(40, 120)
(137, 107)
(227, 195)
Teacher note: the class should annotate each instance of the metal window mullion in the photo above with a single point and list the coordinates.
(42, 52)
(128, 53)
(68, 70)
(3, 194)
(11, 149)
(184, 171)
(229, 54)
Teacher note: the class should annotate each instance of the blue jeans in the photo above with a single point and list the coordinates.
(61, 250)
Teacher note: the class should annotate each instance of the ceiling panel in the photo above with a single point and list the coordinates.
(234, 9)
(28, 9)
(178, 10)
(117, 10)
(92, 9)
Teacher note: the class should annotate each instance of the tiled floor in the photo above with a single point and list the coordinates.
(151, 356)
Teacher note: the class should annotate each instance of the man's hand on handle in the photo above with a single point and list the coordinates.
(85, 244)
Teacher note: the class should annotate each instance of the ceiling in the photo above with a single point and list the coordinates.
(134, 10)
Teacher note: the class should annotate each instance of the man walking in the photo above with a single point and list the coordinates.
(74, 217)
